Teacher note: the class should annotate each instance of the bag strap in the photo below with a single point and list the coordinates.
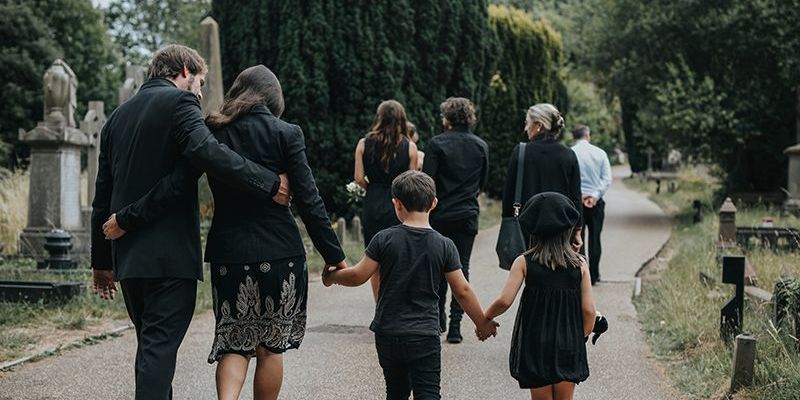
(520, 173)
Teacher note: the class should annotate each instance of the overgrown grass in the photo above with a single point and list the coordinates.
(680, 315)
(13, 207)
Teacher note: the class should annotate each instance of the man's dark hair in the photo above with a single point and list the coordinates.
(580, 132)
(458, 111)
(168, 62)
(415, 189)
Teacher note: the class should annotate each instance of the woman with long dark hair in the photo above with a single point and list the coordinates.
(259, 275)
(383, 154)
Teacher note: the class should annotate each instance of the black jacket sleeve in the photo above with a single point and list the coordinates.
(485, 170)
(101, 206)
(203, 151)
(309, 203)
(430, 165)
(575, 186)
(164, 195)
(511, 183)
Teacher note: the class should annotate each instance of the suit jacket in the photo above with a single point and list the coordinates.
(550, 166)
(246, 229)
(142, 141)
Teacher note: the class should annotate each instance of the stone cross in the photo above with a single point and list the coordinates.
(55, 168)
(91, 125)
(209, 49)
(134, 78)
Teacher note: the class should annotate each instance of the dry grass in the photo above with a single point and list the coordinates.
(13, 207)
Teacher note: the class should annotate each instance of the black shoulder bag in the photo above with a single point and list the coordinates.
(510, 242)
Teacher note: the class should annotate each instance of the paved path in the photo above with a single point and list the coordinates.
(338, 360)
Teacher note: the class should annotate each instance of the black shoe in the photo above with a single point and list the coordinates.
(454, 334)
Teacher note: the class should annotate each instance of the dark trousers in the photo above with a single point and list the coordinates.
(161, 310)
(462, 233)
(410, 364)
(593, 220)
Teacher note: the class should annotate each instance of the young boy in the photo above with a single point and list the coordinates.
(412, 259)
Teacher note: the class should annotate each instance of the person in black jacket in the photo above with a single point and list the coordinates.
(458, 161)
(550, 166)
(158, 268)
(259, 274)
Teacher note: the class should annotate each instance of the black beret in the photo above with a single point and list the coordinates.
(548, 214)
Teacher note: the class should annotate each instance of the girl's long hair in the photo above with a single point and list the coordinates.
(389, 129)
(254, 86)
(555, 251)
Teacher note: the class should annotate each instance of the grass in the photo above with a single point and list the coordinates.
(680, 315)
(13, 207)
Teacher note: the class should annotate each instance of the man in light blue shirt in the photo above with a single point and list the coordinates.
(595, 181)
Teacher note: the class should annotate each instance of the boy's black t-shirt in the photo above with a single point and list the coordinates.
(413, 262)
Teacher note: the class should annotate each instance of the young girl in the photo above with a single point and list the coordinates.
(556, 312)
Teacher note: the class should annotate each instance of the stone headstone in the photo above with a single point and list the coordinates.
(341, 229)
(91, 125)
(209, 49)
(727, 223)
(744, 359)
(55, 166)
(134, 78)
(356, 230)
(793, 201)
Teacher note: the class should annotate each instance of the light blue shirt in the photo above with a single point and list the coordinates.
(595, 169)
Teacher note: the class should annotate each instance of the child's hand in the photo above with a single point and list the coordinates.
(487, 328)
(328, 270)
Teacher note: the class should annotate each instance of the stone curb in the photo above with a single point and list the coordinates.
(8, 365)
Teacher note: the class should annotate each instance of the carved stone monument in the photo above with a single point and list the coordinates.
(55, 143)
(209, 49)
(91, 125)
(792, 204)
(134, 78)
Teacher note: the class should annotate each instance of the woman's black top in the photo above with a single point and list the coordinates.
(378, 211)
(458, 161)
(246, 229)
(550, 166)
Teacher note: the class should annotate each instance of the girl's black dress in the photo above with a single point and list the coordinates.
(548, 345)
(378, 209)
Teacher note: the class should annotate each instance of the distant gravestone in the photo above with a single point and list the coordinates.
(209, 49)
(91, 125)
(341, 229)
(55, 167)
(792, 204)
(727, 224)
(134, 78)
(356, 230)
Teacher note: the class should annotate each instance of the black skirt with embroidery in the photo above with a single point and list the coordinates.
(259, 304)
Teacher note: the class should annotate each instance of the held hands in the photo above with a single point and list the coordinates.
(328, 270)
(487, 328)
(111, 229)
(103, 284)
(284, 195)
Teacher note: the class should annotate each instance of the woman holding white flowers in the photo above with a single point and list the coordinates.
(383, 154)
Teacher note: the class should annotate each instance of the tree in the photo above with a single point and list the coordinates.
(139, 27)
(337, 60)
(713, 79)
(24, 56)
(528, 71)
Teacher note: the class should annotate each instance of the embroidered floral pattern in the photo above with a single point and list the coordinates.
(259, 320)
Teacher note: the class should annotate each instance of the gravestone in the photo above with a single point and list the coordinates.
(341, 230)
(744, 360)
(727, 224)
(356, 230)
(792, 204)
(55, 167)
(91, 125)
(732, 314)
(134, 78)
(209, 49)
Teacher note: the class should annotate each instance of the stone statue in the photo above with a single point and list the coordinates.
(60, 98)
(209, 49)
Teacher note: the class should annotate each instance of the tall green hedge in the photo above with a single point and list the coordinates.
(529, 60)
(338, 59)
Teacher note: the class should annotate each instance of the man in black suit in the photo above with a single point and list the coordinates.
(158, 267)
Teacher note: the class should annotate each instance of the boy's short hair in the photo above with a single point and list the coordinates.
(415, 189)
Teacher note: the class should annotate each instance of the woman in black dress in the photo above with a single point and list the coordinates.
(550, 166)
(556, 311)
(259, 275)
(383, 154)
